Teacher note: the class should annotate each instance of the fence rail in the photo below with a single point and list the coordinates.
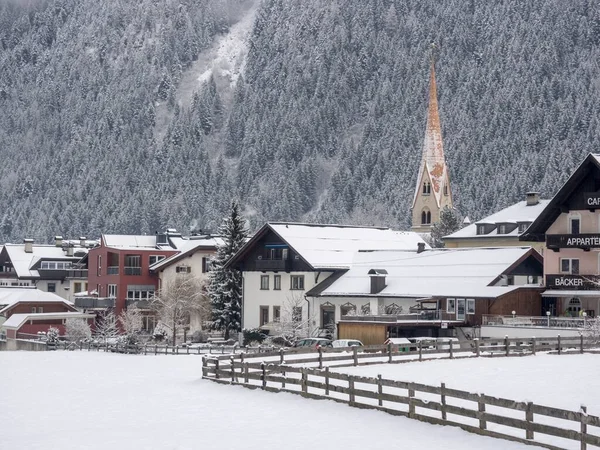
(414, 400)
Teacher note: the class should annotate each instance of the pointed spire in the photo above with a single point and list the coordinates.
(433, 149)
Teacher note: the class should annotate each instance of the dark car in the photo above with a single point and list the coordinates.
(313, 342)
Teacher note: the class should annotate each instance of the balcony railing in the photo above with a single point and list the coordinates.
(133, 270)
(423, 316)
(94, 302)
(112, 270)
(588, 240)
(573, 282)
(142, 304)
(270, 264)
(79, 273)
(533, 321)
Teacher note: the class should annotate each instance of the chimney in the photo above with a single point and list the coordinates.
(58, 240)
(28, 245)
(82, 240)
(533, 198)
(377, 280)
(420, 247)
(70, 250)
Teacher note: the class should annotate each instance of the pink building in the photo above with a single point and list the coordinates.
(570, 227)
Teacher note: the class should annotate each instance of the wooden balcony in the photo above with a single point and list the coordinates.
(271, 264)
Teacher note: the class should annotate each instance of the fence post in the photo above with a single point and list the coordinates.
(559, 352)
(477, 349)
(304, 380)
(217, 368)
(351, 397)
(281, 356)
(507, 345)
(320, 357)
(204, 367)
(443, 400)
(231, 360)
(282, 377)
(481, 409)
(355, 355)
(327, 380)
(451, 349)
(420, 350)
(389, 349)
(533, 349)
(529, 419)
(581, 343)
(117, 347)
(263, 375)
(411, 403)
(145, 349)
(106, 347)
(582, 416)
(187, 349)
(155, 349)
(379, 390)
(246, 373)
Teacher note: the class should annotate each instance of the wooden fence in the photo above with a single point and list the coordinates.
(526, 422)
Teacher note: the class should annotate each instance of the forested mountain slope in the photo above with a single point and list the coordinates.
(325, 124)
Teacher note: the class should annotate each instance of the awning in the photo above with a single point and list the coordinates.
(561, 293)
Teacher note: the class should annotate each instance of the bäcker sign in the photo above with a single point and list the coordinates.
(572, 282)
(592, 199)
(573, 240)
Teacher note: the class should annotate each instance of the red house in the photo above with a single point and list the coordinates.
(119, 272)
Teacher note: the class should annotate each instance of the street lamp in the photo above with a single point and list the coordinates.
(548, 316)
(514, 314)
(584, 314)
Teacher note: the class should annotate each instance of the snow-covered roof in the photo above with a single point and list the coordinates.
(128, 241)
(334, 246)
(188, 247)
(443, 272)
(11, 295)
(518, 213)
(17, 320)
(23, 261)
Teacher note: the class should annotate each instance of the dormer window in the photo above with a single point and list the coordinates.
(427, 188)
(480, 229)
(502, 228)
(523, 226)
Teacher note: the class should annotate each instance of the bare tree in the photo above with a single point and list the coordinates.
(293, 323)
(178, 301)
(106, 326)
(592, 329)
(130, 320)
(77, 330)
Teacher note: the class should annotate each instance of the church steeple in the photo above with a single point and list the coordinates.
(432, 192)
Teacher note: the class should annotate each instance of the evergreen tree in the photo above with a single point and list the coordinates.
(448, 224)
(225, 287)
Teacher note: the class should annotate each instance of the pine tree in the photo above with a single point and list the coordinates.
(225, 288)
(448, 224)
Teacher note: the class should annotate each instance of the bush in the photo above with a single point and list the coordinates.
(253, 335)
(199, 337)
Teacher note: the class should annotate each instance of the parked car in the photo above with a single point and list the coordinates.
(313, 342)
(346, 343)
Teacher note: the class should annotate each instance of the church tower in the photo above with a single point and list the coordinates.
(432, 193)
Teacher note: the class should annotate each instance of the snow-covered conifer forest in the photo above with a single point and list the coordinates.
(128, 116)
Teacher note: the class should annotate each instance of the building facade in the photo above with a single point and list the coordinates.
(570, 228)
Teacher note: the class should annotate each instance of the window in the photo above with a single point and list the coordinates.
(137, 295)
(348, 309)
(481, 229)
(297, 314)
(264, 282)
(276, 313)
(523, 226)
(51, 287)
(277, 282)
(393, 309)
(183, 269)
(77, 288)
(425, 217)
(502, 228)
(264, 315)
(205, 264)
(451, 305)
(533, 279)
(366, 309)
(153, 259)
(33, 310)
(56, 265)
(133, 265)
(112, 291)
(574, 307)
(99, 269)
(297, 282)
(569, 265)
(470, 306)
(426, 188)
(40, 309)
(446, 190)
(574, 223)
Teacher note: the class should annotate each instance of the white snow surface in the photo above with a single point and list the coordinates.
(80, 400)
(11, 295)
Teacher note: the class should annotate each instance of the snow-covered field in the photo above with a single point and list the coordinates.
(81, 400)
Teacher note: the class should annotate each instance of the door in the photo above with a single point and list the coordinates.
(328, 318)
(460, 308)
